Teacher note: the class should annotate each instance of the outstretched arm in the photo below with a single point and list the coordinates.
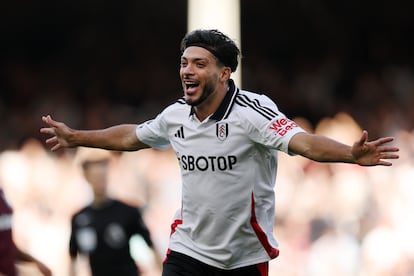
(120, 137)
(363, 152)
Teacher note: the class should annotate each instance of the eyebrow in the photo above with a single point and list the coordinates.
(196, 59)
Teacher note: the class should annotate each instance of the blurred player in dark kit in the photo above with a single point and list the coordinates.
(103, 230)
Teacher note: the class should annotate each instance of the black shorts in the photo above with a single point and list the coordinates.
(177, 264)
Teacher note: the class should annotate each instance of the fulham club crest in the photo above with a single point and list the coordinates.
(222, 131)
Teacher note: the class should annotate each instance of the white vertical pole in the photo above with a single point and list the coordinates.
(223, 15)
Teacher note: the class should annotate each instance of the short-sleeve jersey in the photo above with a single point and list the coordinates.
(228, 165)
(103, 234)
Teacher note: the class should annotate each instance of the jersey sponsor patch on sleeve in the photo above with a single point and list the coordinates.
(281, 126)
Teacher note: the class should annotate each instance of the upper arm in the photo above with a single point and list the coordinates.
(131, 140)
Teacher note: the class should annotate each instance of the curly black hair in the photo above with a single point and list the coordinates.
(220, 45)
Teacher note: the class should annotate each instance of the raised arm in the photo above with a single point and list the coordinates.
(363, 152)
(120, 137)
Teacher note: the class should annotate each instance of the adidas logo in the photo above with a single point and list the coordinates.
(180, 133)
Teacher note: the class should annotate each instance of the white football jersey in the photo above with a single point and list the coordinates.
(228, 165)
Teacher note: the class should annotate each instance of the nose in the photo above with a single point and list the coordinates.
(187, 70)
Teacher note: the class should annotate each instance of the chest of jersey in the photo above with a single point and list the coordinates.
(209, 146)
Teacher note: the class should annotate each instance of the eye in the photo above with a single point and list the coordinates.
(183, 63)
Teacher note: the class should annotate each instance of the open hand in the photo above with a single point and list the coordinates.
(59, 131)
(371, 153)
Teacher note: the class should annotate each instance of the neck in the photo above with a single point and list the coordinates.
(210, 105)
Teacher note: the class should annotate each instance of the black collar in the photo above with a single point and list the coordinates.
(225, 106)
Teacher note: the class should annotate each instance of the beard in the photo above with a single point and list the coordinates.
(209, 88)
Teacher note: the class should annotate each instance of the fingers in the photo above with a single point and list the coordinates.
(364, 138)
(375, 152)
(47, 130)
(50, 131)
(378, 142)
(48, 120)
(384, 163)
(389, 156)
(389, 149)
(383, 140)
(384, 157)
(387, 153)
(55, 147)
(52, 140)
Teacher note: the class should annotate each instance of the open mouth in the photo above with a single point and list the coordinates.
(191, 86)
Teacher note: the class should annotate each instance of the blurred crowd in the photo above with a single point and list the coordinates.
(331, 219)
(344, 66)
(95, 65)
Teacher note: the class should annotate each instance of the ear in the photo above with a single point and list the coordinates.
(225, 73)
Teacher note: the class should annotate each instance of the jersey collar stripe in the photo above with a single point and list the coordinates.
(229, 107)
(227, 103)
(181, 100)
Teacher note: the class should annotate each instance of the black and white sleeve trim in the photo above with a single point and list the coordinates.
(254, 104)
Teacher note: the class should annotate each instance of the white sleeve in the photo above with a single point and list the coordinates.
(153, 133)
(274, 132)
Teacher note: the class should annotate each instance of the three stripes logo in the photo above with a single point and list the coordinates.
(255, 105)
(180, 133)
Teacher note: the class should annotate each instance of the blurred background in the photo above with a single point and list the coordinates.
(336, 67)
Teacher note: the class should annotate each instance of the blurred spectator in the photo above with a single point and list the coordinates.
(10, 253)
